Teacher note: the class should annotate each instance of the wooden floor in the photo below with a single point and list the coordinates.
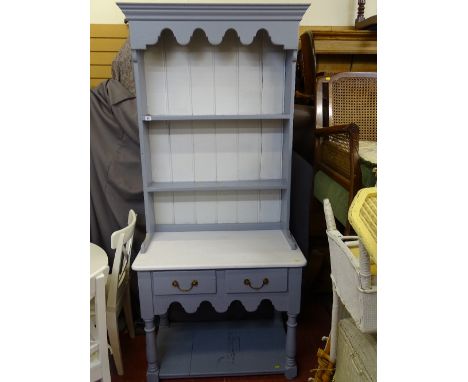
(313, 323)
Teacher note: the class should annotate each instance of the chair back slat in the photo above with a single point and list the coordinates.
(126, 231)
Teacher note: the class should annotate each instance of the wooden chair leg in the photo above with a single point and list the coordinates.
(127, 308)
(106, 371)
(113, 332)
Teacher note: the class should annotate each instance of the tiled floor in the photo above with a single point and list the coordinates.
(313, 323)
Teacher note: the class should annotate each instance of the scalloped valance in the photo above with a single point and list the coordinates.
(148, 20)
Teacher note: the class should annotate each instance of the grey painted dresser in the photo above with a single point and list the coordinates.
(215, 86)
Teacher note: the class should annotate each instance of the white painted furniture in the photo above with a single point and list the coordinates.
(99, 362)
(118, 291)
(354, 279)
(215, 85)
(98, 260)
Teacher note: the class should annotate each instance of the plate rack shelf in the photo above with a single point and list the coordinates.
(215, 107)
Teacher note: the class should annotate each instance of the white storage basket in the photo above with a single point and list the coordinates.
(361, 303)
(353, 283)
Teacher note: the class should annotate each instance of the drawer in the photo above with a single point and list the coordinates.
(257, 280)
(184, 282)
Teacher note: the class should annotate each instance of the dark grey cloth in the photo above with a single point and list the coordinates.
(116, 184)
(122, 68)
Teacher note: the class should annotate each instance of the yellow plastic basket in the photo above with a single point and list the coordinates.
(362, 216)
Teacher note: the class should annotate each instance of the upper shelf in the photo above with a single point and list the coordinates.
(148, 20)
(237, 185)
(233, 117)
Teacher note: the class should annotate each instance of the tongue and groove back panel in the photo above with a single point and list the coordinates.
(200, 79)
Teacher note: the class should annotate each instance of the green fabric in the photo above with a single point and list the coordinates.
(326, 188)
(368, 177)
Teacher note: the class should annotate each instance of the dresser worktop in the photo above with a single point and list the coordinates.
(218, 250)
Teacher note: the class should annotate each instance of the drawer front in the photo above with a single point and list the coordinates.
(184, 282)
(257, 280)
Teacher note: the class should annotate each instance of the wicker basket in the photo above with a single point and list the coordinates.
(360, 303)
(356, 354)
(353, 272)
(362, 215)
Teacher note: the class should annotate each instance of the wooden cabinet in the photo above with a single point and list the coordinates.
(344, 49)
(215, 85)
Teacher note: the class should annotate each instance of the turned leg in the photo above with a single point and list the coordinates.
(152, 374)
(291, 366)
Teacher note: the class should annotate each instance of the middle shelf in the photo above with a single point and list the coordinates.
(232, 185)
(216, 117)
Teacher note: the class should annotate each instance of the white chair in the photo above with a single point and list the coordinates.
(99, 363)
(118, 291)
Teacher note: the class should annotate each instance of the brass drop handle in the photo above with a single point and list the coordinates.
(249, 284)
(175, 284)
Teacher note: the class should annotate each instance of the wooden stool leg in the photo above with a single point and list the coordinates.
(113, 332)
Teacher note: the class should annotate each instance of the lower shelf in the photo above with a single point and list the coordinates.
(222, 348)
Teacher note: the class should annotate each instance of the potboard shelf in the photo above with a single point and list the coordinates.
(222, 348)
(227, 117)
(269, 184)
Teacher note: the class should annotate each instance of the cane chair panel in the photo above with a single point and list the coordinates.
(353, 99)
